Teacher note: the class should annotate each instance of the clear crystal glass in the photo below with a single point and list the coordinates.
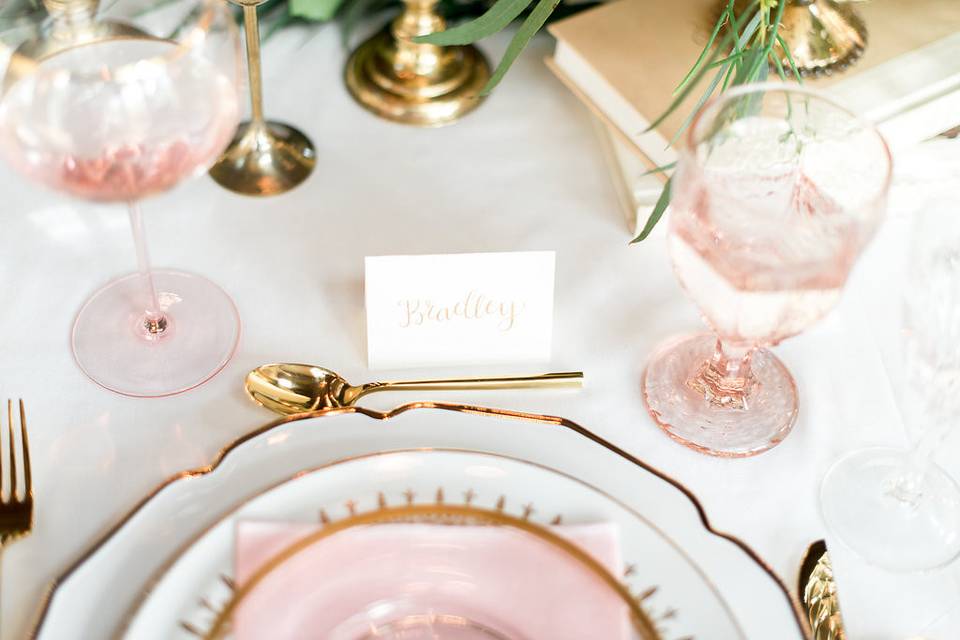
(117, 107)
(776, 192)
(897, 508)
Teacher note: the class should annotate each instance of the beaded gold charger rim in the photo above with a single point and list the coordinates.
(415, 512)
(212, 599)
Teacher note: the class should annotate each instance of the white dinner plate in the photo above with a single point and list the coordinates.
(92, 598)
(179, 604)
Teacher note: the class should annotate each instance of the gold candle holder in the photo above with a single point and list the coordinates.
(419, 84)
(265, 158)
(824, 36)
(72, 23)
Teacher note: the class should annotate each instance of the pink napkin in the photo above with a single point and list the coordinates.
(346, 586)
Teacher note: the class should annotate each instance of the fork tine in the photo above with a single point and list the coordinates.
(9, 417)
(13, 453)
(28, 482)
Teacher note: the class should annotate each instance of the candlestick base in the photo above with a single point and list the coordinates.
(824, 36)
(388, 77)
(265, 159)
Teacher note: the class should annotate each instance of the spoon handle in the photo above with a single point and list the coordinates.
(543, 380)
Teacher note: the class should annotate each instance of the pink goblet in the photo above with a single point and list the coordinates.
(118, 118)
(777, 191)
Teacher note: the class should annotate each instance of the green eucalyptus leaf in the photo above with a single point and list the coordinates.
(661, 169)
(496, 18)
(682, 95)
(707, 48)
(793, 65)
(693, 112)
(520, 40)
(730, 38)
(775, 59)
(746, 65)
(317, 10)
(657, 212)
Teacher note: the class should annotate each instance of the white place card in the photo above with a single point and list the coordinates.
(457, 309)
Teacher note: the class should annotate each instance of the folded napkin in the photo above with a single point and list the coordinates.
(507, 580)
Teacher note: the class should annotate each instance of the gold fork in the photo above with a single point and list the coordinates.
(16, 507)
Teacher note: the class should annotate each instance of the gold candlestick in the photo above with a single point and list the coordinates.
(824, 36)
(265, 158)
(419, 84)
(72, 23)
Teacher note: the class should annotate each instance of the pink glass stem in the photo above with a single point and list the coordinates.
(154, 322)
(725, 380)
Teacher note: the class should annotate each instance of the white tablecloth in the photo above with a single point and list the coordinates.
(522, 173)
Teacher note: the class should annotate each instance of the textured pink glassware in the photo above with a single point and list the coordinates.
(119, 119)
(427, 582)
(776, 192)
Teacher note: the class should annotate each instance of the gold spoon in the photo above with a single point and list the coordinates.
(295, 388)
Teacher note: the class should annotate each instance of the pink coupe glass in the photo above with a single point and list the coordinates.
(777, 191)
(118, 119)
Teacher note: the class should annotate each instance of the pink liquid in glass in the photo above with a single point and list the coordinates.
(764, 256)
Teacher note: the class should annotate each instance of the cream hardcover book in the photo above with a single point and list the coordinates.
(637, 189)
(624, 59)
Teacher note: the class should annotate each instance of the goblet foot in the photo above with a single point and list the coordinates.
(891, 524)
(763, 418)
(114, 348)
(265, 159)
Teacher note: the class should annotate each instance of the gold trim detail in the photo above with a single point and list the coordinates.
(408, 497)
(437, 512)
(46, 598)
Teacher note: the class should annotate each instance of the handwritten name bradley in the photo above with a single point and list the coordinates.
(473, 306)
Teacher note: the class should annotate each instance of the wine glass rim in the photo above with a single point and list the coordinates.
(193, 34)
(788, 88)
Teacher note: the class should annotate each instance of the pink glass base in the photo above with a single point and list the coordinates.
(113, 348)
(691, 418)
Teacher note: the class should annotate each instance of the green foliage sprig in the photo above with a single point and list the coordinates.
(743, 45)
(276, 14)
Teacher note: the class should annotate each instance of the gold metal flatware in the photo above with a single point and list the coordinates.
(16, 498)
(818, 594)
(266, 158)
(287, 388)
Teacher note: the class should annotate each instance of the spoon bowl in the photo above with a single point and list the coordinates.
(297, 388)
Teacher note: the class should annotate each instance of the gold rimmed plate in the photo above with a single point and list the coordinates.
(93, 596)
(662, 579)
(433, 570)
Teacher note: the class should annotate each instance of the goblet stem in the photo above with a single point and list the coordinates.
(154, 322)
(908, 484)
(725, 379)
(251, 26)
